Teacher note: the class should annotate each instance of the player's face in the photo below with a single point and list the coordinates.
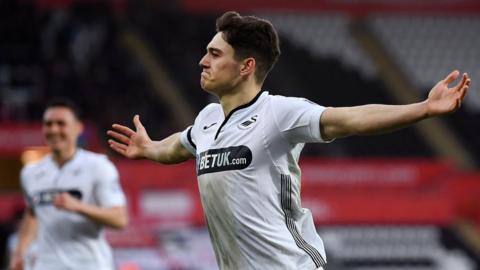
(220, 70)
(61, 129)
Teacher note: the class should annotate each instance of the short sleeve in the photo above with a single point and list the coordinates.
(23, 185)
(186, 140)
(108, 191)
(298, 119)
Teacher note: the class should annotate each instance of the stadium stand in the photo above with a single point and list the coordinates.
(425, 47)
(75, 53)
(326, 36)
(392, 247)
(107, 69)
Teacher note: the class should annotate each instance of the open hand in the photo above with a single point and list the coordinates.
(129, 143)
(442, 99)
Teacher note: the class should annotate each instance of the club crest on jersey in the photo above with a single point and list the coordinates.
(224, 159)
(250, 122)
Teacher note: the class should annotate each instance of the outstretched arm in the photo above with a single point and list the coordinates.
(138, 145)
(374, 118)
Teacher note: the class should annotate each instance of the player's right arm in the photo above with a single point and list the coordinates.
(26, 234)
(138, 145)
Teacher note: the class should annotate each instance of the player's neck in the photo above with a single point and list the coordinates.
(238, 97)
(62, 157)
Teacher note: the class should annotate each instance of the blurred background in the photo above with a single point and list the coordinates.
(406, 200)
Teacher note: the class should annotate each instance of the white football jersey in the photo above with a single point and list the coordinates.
(67, 240)
(249, 182)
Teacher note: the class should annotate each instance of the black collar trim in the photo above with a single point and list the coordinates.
(236, 109)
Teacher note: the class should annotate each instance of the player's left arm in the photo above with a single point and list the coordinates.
(375, 118)
(113, 217)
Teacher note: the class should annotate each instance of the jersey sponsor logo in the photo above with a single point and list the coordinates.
(224, 159)
(248, 123)
(46, 197)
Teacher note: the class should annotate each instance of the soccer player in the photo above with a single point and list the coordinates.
(247, 147)
(71, 195)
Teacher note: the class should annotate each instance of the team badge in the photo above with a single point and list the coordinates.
(250, 122)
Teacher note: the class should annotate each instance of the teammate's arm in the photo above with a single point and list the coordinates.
(138, 145)
(113, 217)
(374, 118)
(27, 233)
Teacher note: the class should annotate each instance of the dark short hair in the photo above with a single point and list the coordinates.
(251, 37)
(65, 103)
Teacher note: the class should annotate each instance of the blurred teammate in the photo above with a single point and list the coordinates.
(72, 194)
(247, 148)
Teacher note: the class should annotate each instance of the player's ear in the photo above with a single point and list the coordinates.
(80, 127)
(248, 66)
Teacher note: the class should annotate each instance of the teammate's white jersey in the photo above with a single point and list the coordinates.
(249, 182)
(67, 240)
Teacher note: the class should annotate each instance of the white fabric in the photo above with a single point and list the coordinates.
(249, 182)
(68, 240)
